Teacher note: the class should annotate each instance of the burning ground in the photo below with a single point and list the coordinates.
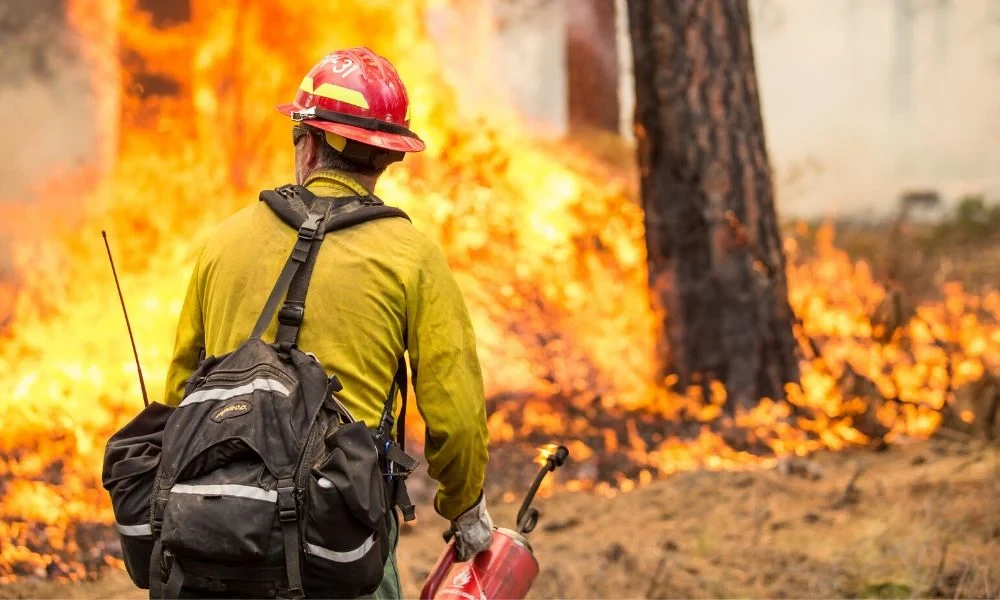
(546, 242)
(919, 519)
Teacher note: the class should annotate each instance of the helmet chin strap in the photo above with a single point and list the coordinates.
(316, 113)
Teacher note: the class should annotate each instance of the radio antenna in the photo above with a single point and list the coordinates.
(138, 368)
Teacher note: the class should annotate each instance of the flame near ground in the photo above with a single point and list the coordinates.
(547, 246)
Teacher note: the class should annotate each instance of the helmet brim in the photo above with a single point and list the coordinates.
(379, 139)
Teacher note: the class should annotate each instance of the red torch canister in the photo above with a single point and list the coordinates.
(506, 570)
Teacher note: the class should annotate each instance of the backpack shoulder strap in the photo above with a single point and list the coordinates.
(289, 202)
(309, 234)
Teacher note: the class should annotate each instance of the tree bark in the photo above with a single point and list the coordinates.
(714, 247)
(592, 65)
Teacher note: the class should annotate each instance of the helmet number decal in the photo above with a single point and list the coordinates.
(342, 66)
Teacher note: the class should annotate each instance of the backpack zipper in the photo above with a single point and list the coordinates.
(305, 465)
(242, 375)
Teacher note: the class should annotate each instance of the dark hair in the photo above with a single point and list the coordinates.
(329, 158)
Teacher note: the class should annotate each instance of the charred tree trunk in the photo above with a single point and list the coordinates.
(163, 14)
(592, 65)
(142, 78)
(714, 247)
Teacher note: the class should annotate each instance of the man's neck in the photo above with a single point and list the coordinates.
(331, 182)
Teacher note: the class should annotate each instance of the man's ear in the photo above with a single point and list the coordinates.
(310, 151)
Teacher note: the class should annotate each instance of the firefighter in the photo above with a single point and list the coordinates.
(377, 289)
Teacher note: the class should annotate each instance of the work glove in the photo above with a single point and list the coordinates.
(473, 531)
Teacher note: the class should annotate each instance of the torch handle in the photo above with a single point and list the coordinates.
(439, 572)
(527, 516)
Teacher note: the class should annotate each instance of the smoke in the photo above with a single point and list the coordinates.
(46, 108)
(852, 117)
(532, 58)
(880, 97)
(46, 114)
(861, 99)
(518, 63)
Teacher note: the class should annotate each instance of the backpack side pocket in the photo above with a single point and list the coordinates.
(345, 532)
(131, 459)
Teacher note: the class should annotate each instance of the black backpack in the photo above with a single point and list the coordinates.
(260, 483)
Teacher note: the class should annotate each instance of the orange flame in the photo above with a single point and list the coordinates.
(544, 452)
(547, 247)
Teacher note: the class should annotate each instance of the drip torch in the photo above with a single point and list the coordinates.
(505, 570)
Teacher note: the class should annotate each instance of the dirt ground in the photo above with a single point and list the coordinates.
(920, 520)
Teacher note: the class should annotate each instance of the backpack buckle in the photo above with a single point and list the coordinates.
(286, 191)
(291, 314)
(286, 503)
(310, 226)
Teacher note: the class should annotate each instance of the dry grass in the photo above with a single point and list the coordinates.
(770, 535)
(923, 521)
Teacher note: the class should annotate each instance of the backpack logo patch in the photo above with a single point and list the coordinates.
(234, 409)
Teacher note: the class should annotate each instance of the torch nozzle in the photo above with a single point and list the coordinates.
(558, 458)
(527, 517)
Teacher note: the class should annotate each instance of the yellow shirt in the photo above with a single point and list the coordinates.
(378, 288)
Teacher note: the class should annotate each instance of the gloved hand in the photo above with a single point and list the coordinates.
(473, 531)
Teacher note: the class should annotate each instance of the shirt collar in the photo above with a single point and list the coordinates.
(327, 182)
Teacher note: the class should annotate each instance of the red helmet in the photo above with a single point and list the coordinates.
(356, 94)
